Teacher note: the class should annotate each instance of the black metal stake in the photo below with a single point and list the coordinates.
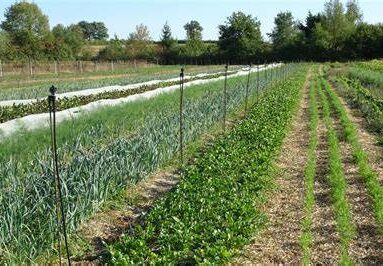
(181, 117)
(225, 98)
(59, 199)
(247, 88)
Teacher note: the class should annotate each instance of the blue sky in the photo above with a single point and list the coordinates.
(121, 16)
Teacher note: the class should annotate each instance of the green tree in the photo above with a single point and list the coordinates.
(142, 33)
(338, 27)
(366, 42)
(353, 13)
(27, 28)
(139, 43)
(66, 42)
(167, 43)
(284, 34)
(193, 31)
(6, 51)
(194, 45)
(240, 37)
(167, 40)
(114, 50)
(94, 30)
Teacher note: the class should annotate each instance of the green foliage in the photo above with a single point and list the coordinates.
(194, 45)
(360, 97)
(100, 154)
(6, 49)
(167, 40)
(38, 89)
(65, 42)
(285, 32)
(211, 212)
(306, 239)
(369, 176)
(93, 30)
(337, 183)
(27, 28)
(240, 36)
(114, 50)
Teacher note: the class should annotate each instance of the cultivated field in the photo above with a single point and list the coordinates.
(280, 165)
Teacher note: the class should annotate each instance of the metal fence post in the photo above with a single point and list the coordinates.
(225, 98)
(181, 117)
(247, 88)
(59, 201)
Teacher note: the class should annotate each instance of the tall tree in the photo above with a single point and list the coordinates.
(6, 51)
(336, 24)
(240, 37)
(353, 12)
(285, 32)
(167, 43)
(193, 30)
(94, 30)
(139, 43)
(27, 28)
(67, 42)
(194, 44)
(167, 40)
(141, 34)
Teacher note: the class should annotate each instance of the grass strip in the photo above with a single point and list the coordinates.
(368, 175)
(211, 213)
(306, 240)
(338, 184)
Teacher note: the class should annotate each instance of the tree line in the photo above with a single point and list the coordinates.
(337, 33)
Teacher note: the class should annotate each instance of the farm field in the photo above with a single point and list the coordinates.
(191, 132)
(89, 162)
(304, 132)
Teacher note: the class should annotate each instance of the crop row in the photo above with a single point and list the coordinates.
(98, 169)
(306, 239)
(337, 183)
(41, 106)
(369, 176)
(211, 212)
(359, 97)
(374, 65)
(34, 89)
(373, 80)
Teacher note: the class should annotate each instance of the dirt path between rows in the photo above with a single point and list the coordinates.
(279, 242)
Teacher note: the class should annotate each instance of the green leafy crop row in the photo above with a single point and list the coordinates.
(212, 211)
